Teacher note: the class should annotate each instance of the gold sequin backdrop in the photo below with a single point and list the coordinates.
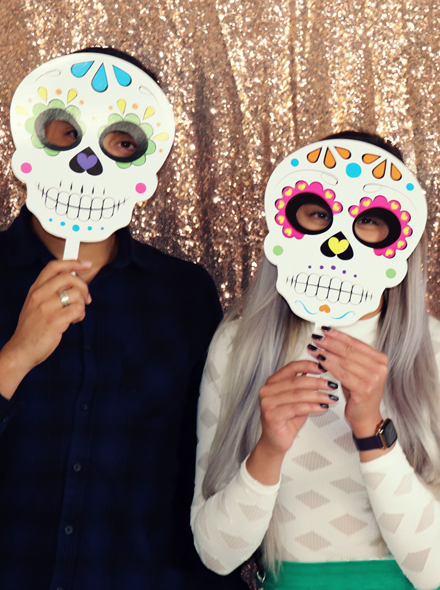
(250, 80)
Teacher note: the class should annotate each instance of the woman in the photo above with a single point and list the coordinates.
(281, 469)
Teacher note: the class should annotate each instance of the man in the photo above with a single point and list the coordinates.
(101, 357)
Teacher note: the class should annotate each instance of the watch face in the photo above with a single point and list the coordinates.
(389, 433)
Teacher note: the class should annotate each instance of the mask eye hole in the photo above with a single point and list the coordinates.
(309, 214)
(58, 130)
(377, 228)
(123, 141)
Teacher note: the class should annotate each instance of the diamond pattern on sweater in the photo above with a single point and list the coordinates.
(322, 420)
(346, 443)
(349, 525)
(390, 522)
(373, 480)
(347, 485)
(286, 515)
(312, 499)
(252, 512)
(313, 541)
(202, 525)
(416, 561)
(312, 461)
(427, 519)
(203, 461)
(405, 485)
(212, 562)
(208, 418)
(234, 542)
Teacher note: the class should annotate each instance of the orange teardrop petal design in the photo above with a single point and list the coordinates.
(329, 160)
(344, 153)
(313, 156)
(395, 173)
(379, 171)
(369, 158)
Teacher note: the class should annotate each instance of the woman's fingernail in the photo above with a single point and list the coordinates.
(89, 299)
(321, 368)
(322, 358)
(317, 337)
(326, 328)
(332, 384)
(325, 406)
(312, 348)
(334, 398)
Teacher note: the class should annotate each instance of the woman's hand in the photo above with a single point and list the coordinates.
(362, 372)
(43, 320)
(287, 399)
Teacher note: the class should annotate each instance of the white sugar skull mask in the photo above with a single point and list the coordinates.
(343, 218)
(83, 187)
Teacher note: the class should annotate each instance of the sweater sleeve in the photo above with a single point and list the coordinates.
(230, 525)
(408, 517)
(406, 510)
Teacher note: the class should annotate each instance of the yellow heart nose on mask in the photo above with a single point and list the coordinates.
(338, 246)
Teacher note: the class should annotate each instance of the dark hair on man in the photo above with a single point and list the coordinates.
(122, 55)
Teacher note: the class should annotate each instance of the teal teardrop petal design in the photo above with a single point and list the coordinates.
(100, 82)
(80, 70)
(122, 77)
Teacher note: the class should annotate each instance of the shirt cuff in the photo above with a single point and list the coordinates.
(255, 485)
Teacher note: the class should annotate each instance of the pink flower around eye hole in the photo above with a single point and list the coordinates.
(291, 192)
(403, 217)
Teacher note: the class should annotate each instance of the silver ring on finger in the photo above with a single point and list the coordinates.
(64, 298)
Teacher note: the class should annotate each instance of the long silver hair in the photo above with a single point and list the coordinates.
(269, 334)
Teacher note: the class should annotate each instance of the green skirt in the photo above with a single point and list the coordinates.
(339, 575)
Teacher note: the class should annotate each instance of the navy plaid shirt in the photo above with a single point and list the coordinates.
(97, 445)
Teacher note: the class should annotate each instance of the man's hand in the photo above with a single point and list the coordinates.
(43, 320)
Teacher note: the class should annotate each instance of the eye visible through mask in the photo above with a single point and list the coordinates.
(309, 214)
(377, 227)
(58, 129)
(123, 141)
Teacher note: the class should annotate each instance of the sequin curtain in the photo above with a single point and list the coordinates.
(250, 80)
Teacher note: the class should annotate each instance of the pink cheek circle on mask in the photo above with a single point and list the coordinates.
(26, 168)
(141, 188)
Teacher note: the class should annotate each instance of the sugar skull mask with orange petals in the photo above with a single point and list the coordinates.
(343, 218)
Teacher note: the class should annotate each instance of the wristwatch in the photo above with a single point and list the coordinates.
(384, 438)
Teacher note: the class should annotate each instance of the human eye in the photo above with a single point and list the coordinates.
(373, 227)
(313, 217)
(124, 141)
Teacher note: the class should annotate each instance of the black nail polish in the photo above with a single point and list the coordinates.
(322, 358)
(332, 384)
(325, 406)
(312, 348)
(317, 337)
(326, 328)
(321, 368)
(334, 398)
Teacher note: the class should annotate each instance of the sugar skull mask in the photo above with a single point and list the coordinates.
(91, 131)
(343, 218)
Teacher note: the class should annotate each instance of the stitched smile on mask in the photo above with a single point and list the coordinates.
(77, 205)
(326, 288)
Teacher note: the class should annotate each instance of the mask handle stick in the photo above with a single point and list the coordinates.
(71, 249)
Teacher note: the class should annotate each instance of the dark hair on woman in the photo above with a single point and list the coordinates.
(372, 138)
(122, 55)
